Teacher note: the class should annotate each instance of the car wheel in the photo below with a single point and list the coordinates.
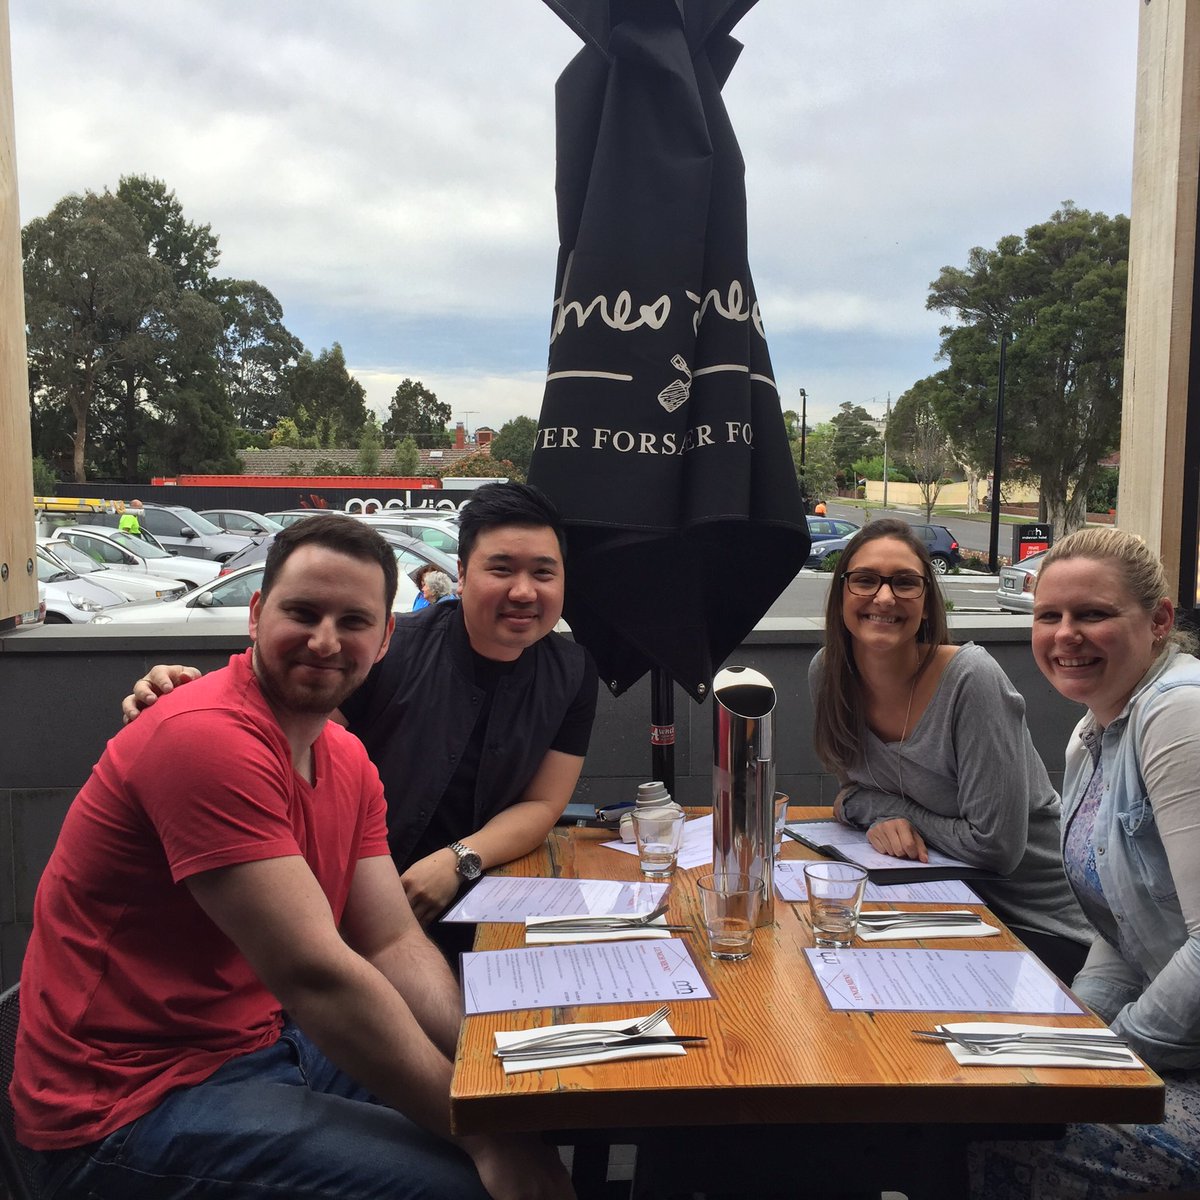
(941, 564)
(53, 618)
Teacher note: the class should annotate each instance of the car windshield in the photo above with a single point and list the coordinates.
(50, 570)
(197, 522)
(138, 545)
(74, 558)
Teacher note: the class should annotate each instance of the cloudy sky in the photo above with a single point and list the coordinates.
(386, 167)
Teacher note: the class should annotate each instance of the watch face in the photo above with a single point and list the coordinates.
(470, 866)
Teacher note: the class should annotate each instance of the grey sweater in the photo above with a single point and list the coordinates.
(981, 792)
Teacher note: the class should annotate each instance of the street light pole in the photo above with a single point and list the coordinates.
(803, 436)
(887, 420)
(997, 463)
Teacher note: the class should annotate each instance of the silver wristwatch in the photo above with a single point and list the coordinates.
(470, 865)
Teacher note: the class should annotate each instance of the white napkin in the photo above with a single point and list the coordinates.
(976, 929)
(536, 937)
(1031, 1057)
(507, 1038)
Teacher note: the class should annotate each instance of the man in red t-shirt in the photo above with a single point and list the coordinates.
(226, 864)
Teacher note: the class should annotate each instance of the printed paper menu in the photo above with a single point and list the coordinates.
(590, 973)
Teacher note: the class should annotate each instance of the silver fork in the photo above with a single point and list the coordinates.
(634, 1029)
(918, 918)
(604, 920)
(1065, 1049)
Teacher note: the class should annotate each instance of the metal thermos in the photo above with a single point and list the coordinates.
(744, 779)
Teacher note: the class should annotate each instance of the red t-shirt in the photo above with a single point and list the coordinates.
(128, 990)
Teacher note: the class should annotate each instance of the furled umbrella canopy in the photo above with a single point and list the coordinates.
(661, 436)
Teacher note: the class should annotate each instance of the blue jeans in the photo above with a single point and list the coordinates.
(282, 1122)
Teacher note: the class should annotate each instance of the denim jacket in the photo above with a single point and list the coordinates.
(1148, 986)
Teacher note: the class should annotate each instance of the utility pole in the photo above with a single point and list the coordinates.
(887, 420)
(997, 463)
(466, 424)
(803, 435)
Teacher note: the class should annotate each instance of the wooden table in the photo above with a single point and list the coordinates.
(776, 1053)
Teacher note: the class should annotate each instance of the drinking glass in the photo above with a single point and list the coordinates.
(730, 903)
(835, 896)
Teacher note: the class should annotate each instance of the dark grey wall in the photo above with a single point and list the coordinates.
(61, 688)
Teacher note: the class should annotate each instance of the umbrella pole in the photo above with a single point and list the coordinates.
(662, 727)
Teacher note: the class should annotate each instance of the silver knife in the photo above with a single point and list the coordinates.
(565, 1051)
(598, 927)
(1099, 1041)
(919, 918)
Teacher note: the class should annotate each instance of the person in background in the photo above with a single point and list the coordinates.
(225, 992)
(819, 509)
(129, 522)
(479, 715)
(421, 601)
(1104, 636)
(929, 744)
(438, 588)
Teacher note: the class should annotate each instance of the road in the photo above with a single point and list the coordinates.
(805, 595)
(971, 535)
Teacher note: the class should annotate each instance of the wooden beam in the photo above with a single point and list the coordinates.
(18, 580)
(1160, 428)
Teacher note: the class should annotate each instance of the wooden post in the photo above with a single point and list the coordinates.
(1160, 434)
(18, 578)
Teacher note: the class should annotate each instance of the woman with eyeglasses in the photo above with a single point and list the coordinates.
(929, 744)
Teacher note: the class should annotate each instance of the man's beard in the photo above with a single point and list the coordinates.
(292, 697)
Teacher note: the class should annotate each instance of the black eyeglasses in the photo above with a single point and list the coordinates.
(907, 585)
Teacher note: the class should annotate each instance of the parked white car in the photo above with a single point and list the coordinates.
(71, 599)
(133, 585)
(220, 606)
(141, 554)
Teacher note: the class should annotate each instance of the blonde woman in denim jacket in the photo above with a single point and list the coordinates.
(1103, 635)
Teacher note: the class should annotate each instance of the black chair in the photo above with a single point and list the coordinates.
(17, 1165)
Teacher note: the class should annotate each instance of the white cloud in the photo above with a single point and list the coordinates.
(387, 167)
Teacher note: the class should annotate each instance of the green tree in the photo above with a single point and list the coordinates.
(407, 458)
(189, 251)
(416, 412)
(255, 353)
(1058, 295)
(854, 436)
(515, 442)
(325, 400)
(197, 435)
(818, 478)
(91, 291)
(44, 478)
(370, 441)
(170, 360)
(287, 434)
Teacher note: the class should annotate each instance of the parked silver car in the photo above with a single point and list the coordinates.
(219, 606)
(71, 599)
(1015, 592)
(142, 554)
(241, 520)
(133, 585)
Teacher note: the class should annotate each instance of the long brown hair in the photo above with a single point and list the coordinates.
(840, 727)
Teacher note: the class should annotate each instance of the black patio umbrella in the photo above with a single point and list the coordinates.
(661, 436)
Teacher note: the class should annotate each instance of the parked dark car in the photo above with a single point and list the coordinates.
(942, 547)
(821, 529)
